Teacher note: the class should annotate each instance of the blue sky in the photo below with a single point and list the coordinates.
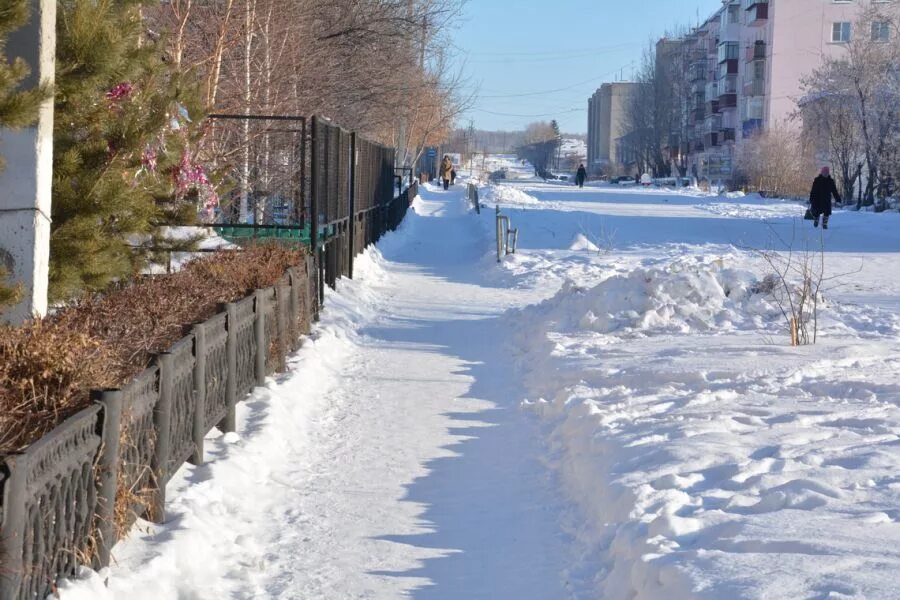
(540, 60)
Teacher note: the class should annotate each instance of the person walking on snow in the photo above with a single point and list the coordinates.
(823, 188)
(580, 176)
(446, 171)
(452, 176)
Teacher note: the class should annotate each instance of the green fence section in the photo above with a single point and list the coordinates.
(288, 234)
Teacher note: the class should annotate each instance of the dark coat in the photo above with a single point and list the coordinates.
(581, 174)
(823, 188)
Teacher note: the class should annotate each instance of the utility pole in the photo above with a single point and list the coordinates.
(470, 139)
(26, 180)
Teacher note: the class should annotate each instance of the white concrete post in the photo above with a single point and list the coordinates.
(25, 183)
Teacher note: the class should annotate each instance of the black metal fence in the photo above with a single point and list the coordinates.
(309, 181)
(68, 498)
(352, 193)
(265, 162)
(59, 498)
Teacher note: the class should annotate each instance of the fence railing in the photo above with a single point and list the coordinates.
(507, 237)
(70, 496)
(59, 499)
(472, 195)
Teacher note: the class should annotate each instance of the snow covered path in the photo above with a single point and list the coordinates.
(424, 475)
(393, 461)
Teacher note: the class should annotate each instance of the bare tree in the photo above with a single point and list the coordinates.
(856, 98)
(775, 162)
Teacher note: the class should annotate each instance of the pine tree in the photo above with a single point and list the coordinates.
(122, 139)
(18, 108)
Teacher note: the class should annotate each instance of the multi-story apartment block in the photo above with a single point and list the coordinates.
(606, 124)
(745, 66)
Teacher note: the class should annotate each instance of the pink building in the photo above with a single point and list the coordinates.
(747, 62)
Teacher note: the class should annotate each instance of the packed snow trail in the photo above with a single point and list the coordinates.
(393, 461)
(428, 478)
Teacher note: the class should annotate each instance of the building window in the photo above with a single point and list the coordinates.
(840, 32)
(881, 31)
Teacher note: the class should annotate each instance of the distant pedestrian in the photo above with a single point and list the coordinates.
(446, 171)
(823, 188)
(580, 176)
(452, 176)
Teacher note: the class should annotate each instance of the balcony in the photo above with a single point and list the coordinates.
(698, 113)
(712, 107)
(728, 67)
(755, 51)
(697, 71)
(755, 87)
(728, 92)
(728, 51)
(711, 140)
(726, 134)
(713, 124)
(757, 12)
(751, 127)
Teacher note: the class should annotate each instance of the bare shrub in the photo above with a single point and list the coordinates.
(776, 162)
(797, 283)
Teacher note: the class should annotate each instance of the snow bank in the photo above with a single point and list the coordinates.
(580, 242)
(685, 296)
(707, 462)
(507, 195)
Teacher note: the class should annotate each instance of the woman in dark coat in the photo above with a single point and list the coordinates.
(823, 188)
(580, 176)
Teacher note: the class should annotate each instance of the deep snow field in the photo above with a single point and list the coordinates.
(612, 412)
(709, 458)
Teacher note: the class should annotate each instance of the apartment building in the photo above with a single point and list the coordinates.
(606, 125)
(745, 66)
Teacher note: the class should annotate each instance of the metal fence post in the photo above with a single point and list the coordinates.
(314, 188)
(499, 235)
(108, 474)
(321, 280)
(294, 328)
(229, 422)
(259, 330)
(352, 221)
(281, 329)
(12, 526)
(198, 427)
(162, 417)
(312, 282)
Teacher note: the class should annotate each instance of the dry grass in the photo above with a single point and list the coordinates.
(47, 368)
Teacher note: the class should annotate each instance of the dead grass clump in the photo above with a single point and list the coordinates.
(46, 373)
(47, 368)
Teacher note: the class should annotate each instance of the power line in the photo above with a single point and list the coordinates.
(559, 52)
(549, 114)
(562, 89)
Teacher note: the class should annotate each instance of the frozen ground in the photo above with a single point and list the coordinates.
(613, 412)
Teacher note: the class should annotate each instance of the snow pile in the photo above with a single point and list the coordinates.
(707, 462)
(687, 295)
(507, 195)
(707, 457)
(580, 242)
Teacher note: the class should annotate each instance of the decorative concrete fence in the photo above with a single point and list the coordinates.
(66, 499)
